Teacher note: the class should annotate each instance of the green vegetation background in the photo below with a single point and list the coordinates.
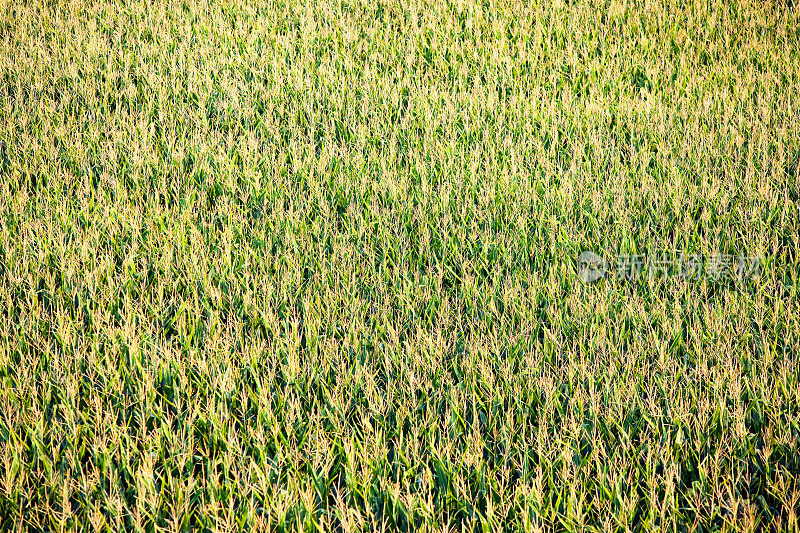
(310, 265)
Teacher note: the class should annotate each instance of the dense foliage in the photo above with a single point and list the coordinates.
(311, 265)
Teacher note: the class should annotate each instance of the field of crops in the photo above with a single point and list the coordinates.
(312, 265)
